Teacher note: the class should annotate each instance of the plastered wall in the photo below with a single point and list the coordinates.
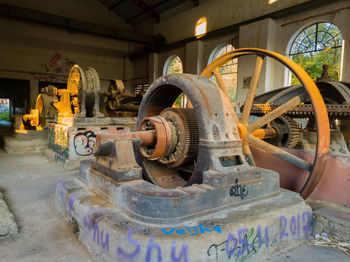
(219, 13)
(273, 35)
(40, 53)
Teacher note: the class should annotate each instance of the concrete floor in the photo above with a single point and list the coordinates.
(28, 184)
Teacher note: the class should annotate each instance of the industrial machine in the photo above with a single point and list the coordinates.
(118, 103)
(296, 127)
(296, 131)
(184, 187)
(43, 112)
(83, 99)
(83, 111)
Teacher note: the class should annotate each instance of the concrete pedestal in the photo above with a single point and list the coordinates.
(68, 145)
(118, 221)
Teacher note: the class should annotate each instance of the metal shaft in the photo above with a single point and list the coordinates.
(147, 137)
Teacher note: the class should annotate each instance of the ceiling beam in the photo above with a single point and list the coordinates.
(115, 5)
(147, 9)
(140, 14)
(196, 2)
(72, 25)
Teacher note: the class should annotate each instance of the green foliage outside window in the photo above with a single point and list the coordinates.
(317, 45)
(175, 67)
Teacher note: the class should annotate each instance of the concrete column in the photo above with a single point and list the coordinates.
(194, 57)
(262, 35)
(153, 67)
(346, 45)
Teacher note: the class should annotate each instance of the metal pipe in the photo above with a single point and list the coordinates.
(264, 133)
(147, 137)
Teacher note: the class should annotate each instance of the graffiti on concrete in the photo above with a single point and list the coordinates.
(91, 223)
(102, 239)
(61, 136)
(192, 231)
(238, 190)
(152, 247)
(57, 64)
(249, 242)
(84, 143)
(62, 147)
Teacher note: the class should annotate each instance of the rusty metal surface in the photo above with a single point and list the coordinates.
(120, 166)
(147, 137)
(218, 134)
(305, 110)
(323, 131)
(185, 149)
(163, 137)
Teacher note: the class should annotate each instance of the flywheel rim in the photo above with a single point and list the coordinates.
(323, 132)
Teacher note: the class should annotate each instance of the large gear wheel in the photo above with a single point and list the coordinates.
(289, 134)
(186, 148)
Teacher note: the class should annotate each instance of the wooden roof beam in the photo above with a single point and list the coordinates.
(147, 9)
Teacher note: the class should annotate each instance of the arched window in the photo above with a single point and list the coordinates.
(228, 71)
(173, 65)
(317, 45)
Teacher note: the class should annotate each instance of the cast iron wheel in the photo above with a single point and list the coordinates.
(246, 130)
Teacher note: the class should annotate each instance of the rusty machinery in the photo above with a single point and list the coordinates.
(83, 97)
(336, 96)
(43, 111)
(119, 103)
(183, 152)
(274, 122)
(208, 143)
(182, 167)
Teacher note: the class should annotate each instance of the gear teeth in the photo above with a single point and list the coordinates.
(189, 151)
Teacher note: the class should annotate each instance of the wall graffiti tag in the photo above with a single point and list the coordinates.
(249, 242)
(192, 231)
(58, 64)
(84, 142)
(239, 190)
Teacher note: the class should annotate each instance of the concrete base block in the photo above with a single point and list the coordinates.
(248, 232)
(26, 143)
(8, 226)
(68, 164)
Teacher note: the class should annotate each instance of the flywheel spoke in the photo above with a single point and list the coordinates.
(220, 81)
(276, 151)
(252, 90)
(248, 154)
(274, 114)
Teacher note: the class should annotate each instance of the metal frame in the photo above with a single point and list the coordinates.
(316, 40)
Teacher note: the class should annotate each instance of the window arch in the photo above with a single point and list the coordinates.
(173, 65)
(228, 71)
(315, 46)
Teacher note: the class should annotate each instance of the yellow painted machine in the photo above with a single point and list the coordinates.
(43, 111)
(83, 98)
